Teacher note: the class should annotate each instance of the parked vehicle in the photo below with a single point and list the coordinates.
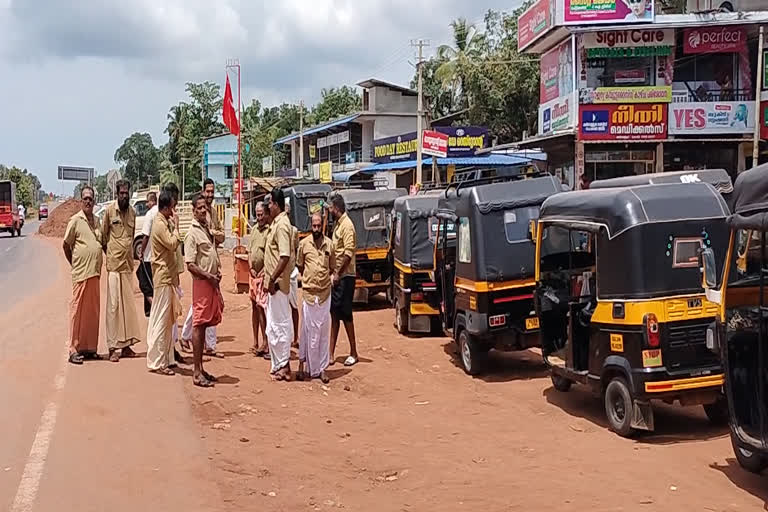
(10, 220)
(620, 297)
(42, 211)
(415, 290)
(487, 279)
(303, 200)
(371, 212)
(741, 330)
(718, 178)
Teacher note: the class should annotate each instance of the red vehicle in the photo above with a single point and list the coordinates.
(42, 212)
(9, 214)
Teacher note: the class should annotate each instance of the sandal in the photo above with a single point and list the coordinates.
(202, 382)
(209, 377)
(114, 356)
(76, 358)
(163, 371)
(324, 378)
(127, 352)
(211, 353)
(92, 356)
(350, 361)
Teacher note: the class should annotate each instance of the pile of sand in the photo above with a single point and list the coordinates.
(56, 224)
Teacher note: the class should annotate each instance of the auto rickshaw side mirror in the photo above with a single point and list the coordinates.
(708, 268)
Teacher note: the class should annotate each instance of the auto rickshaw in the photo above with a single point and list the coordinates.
(487, 277)
(741, 331)
(718, 178)
(371, 212)
(303, 200)
(620, 297)
(415, 292)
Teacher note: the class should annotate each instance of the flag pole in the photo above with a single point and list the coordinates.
(239, 159)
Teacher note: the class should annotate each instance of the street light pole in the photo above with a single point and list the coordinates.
(420, 44)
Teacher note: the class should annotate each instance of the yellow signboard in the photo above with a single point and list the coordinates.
(644, 94)
(652, 358)
(325, 172)
(617, 343)
(312, 150)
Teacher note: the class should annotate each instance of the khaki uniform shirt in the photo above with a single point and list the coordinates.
(117, 234)
(164, 242)
(256, 247)
(214, 226)
(278, 244)
(344, 243)
(85, 242)
(200, 249)
(317, 263)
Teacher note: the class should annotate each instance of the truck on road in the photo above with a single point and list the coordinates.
(10, 220)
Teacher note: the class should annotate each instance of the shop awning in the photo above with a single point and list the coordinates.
(318, 128)
(344, 176)
(393, 166)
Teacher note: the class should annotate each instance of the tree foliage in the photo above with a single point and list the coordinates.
(27, 184)
(140, 159)
(335, 102)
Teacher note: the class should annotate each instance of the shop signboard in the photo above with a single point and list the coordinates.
(394, 149)
(765, 69)
(724, 117)
(556, 115)
(326, 171)
(434, 143)
(643, 94)
(462, 141)
(629, 43)
(764, 120)
(266, 165)
(717, 39)
(534, 22)
(592, 12)
(333, 139)
(556, 77)
(623, 122)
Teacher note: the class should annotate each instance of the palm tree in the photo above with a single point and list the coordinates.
(468, 45)
(178, 121)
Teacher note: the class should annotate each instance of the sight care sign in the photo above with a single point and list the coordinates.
(712, 118)
(629, 43)
(722, 39)
(623, 122)
(589, 12)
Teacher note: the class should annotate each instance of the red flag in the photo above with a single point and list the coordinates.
(229, 116)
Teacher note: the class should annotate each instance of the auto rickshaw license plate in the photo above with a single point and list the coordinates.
(377, 277)
(531, 323)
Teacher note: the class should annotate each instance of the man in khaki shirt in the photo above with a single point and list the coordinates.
(315, 261)
(217, 231)
(258, 294)
(202, 260)
(277, 275)
(343, 279)
(118, 229)
(83, 250)
(165, 277)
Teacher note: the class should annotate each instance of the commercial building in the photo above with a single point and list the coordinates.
(626, 92)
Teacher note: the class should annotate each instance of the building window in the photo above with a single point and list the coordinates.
(228, 172)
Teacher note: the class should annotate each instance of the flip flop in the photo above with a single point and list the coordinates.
(163, 371)
(209, 377)
(202, 383)
(350, 361)
(217, 355)
(76, 358)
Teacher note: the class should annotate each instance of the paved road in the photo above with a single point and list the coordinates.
(102, 436)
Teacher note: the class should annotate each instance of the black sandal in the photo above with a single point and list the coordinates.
(163, 371)
(202, 383)
(76, 358)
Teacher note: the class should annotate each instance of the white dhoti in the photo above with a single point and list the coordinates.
(279, 329)
(293, 295)
(162, 318)
(122, 324)
(315, 336)
(210, 332)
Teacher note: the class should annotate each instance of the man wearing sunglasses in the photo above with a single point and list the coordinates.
(83, 250)
(638, 10)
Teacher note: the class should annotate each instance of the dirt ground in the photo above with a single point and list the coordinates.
(407, 430)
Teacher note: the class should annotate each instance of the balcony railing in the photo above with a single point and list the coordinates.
(701, 95)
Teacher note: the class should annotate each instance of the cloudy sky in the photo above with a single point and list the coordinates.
(79, 77)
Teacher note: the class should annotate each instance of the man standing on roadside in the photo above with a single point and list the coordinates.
(117, 236)
(216, 229)
(277, 274)
(83, 250)
(144, 272)
(343, 279)
(315, 261)
(202, 261)
(166, 306)
(258, 295)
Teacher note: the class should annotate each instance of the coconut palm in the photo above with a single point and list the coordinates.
(468, 45)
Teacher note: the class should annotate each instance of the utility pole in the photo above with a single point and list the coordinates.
(758, 90)
(301, 139)
(183, 172)
(420, 44)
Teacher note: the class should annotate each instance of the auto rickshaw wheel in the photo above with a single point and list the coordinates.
(401, 318)
(717, 412)
(750, 460)
(619, 406)
(560, 383)
(473, 357)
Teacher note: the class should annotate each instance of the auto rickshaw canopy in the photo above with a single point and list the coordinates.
(718, 178)
(305, 199)
(369, 211)
(415, 230)
(750, 200)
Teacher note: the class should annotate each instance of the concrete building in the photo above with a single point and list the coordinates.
(220, 162)
(625, 92)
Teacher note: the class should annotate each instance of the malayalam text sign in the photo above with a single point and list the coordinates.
(326, 171)
(718, 39)
(722, 117)
(555, 115)
(534, 23)
(556, 77)
(587, 12)
(643, 94)
(434, 144)
(623, 122)
(462, 141)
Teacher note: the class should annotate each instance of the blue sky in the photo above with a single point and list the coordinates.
(79, 77)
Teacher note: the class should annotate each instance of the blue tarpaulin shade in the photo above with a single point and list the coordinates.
(490, 160)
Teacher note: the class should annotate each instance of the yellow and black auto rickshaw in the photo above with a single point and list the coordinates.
(415, 291)
(303, 200)
(620, 297)
(741, 331)
(487, 277)
(371, 213)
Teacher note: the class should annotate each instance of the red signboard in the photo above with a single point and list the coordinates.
(434, 144)
(764, 120)
(623, 122)
(533, 23)
(718, 39)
